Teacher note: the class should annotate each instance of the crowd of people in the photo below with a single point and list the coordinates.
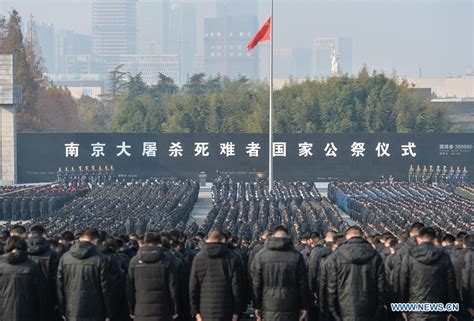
(128, 250)
(86, 175)
(127, 207)
(248, 209)
(97, 276)
(439, 175)
(26, 203)
(388, 206)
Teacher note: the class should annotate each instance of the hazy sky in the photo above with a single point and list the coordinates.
(403, 35)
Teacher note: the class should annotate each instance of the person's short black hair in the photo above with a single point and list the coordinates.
(467, 242)
(152, 238)
(354, 230)
(37, 230)
(18, 229)
(227, 235)
(314, 236)
(392, 242)
(386, 235)
(267, 233)
(403, 237)
(215, 235)
(338, 240)
(102, 236)
(15, 243)
(110, 243)
(200, 235)
(428, 232)
(67, 236)
(417, 226)
(91, 233)
(280, 228)
(448, 238)
(4, 235)
(174, 234)
(460, 236)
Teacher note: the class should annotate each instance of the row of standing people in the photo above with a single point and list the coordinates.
(346, 278)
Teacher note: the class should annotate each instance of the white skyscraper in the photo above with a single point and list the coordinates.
(114, 29)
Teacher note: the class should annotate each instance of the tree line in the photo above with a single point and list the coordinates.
(366, 102)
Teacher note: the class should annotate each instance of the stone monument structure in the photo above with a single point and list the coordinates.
(335, 70)
(10, 97)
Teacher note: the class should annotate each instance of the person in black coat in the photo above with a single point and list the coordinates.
(152, 283)
(280, 280)
(215, 286)
(467, 279)
(84, 286)
(427, 276)
(317, 254)
(259, 246)
(21, 286)
(457, 256)
(118, 268)
(356, 280)
(405, 246)
(324, 313)
(183, 271)
(40, 252)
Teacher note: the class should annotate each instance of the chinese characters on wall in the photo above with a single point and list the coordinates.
(228, 149)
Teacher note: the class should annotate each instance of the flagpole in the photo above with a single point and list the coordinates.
(270, 110)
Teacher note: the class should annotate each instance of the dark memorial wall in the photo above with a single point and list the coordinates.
(305, 157)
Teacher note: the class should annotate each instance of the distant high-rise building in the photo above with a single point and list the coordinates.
(46, 41)
(151, 65)
(68, 44)
(225, 46)
(82, 44)
(302, 62)
(77, 64)
(183, 41)
(283, 62)
(149, 27)
(114, 29)
(292, 62)
(322, 49)
(165, 29)
(198, 65)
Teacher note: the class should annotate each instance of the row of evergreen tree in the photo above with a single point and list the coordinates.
(364, 103)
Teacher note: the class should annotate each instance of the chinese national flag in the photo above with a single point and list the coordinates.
(262, 35)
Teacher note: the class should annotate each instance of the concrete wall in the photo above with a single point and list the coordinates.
(460, 87)
(9, 98)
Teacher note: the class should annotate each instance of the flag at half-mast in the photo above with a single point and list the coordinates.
(262, 35)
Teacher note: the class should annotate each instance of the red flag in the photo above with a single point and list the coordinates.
(262, 35)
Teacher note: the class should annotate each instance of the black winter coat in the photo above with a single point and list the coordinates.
(215, 285)
(467, 281)
(20, 288)
(244, 277)
(84, 284)
(118, 268)
(457, 255)
(152, 285)
(280, 281)
(427, 276)
(317, 254)
(356, 282)
(47, 260)
(183, 270)
(257, 248)
(402, 251)
(324, 313)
